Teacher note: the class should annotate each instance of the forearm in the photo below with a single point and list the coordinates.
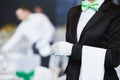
(11, 42)
(112, 58)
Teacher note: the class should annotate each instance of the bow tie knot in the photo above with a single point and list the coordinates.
(94, 5)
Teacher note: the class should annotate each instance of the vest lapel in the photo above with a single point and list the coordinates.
(74, 22)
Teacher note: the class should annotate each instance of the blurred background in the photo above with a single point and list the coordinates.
(21, 63)
(55, 9)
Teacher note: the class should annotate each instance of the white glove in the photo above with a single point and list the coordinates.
(61, 48)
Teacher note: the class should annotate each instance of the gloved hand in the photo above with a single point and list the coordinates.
(61, 48)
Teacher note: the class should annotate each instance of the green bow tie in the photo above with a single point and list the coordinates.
(94, 5)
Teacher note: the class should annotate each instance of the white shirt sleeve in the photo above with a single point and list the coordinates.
(13, 40)
(48, 27)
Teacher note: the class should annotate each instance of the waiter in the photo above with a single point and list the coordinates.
(37, 28)
(93, 29)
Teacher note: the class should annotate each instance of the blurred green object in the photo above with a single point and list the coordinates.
(24, 75)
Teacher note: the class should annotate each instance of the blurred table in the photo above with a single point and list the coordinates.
(13, 62)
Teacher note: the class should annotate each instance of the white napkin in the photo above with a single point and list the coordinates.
(92, 67)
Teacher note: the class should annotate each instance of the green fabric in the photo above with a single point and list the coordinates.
(94, 5)
(27, 19)
(25, 76)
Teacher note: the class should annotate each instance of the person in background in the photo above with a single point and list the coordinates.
(92, 41)
(38, 9)
(37, 28)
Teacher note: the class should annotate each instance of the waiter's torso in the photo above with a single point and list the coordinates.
(95, 33)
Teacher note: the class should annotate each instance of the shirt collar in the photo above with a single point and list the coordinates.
(27, 19)
(99, 1)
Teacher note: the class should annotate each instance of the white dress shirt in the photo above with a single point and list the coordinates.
(36, 27)
(84, 19)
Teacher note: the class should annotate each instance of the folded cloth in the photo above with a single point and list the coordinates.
(92, 67)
